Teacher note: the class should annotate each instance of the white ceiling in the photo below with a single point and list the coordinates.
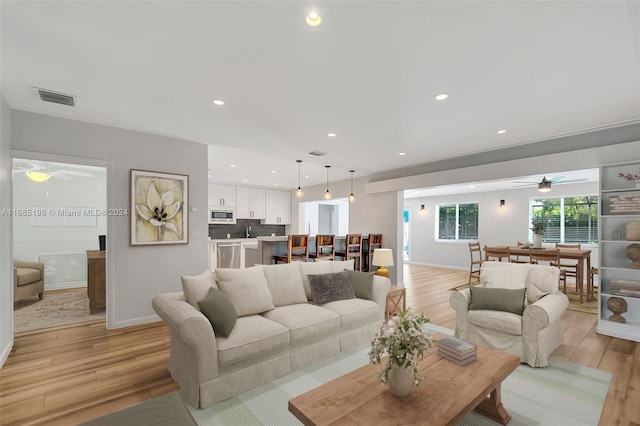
(369, 74)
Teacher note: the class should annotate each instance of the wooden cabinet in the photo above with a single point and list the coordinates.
(250, 203)
(617, 209)
(222, 195)
(96, 279)
(277, 207)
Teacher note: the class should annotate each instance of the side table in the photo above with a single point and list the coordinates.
(396, 301)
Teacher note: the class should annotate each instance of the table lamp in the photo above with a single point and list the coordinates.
(382, 258)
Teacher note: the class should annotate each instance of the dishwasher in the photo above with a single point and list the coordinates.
(229, 255)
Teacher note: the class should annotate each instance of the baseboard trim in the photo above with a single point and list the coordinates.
(133, 321)
(458, 268)
(5, 353)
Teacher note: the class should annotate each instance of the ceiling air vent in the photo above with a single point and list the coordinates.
(317, 153)
(56, 97)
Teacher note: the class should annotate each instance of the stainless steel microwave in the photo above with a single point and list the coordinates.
(222, 216)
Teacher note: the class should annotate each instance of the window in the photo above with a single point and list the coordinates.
(568, 220)
(458, 221)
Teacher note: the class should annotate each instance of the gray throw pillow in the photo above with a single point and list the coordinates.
(497, 299)
(217, 307)
(362, 284)
(327, 288)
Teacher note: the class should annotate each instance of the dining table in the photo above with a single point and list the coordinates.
(582, 256)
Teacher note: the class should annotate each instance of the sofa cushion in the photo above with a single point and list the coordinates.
(497, 299)
(354, 312)
(254, 336)
(362, 284)
(285, 283)
(305, 321)
(247, 289)
(503, 275)
(329, 287)
(341, 265)
(27, 276)
(217, 307)
(196, 288)
(502, 322)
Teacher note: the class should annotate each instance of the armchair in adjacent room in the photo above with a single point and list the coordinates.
(515, 309)
(28, 280)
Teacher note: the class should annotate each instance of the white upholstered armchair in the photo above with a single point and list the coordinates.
(534, 334)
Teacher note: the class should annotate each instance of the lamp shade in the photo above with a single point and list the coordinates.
(382, 257)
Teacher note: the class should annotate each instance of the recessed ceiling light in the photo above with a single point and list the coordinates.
(244, 180)
(273, 171)
(441, 97)
(313, 19)
(218, 102)
(472, 186)
(502, 131)
(276, 184)
(232, 165)
(331, 135)
(307, 176)
(402, 153)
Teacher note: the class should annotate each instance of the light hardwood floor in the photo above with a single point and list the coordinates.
(67, 375)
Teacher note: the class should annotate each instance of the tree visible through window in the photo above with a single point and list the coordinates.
(568, 219)
(458, 221)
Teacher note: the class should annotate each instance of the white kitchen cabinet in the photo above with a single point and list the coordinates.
(277, 207)
(250, 203)
(222, 195)
(618, 207)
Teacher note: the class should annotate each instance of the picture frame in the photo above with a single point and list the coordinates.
(158, 202)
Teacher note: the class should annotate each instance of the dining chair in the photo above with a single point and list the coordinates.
(496, 253)
(476, 261)
(352, 250)
(550, 257)
(374, 241)
(325, 248)
(570, 267)
(518, 258)
(297, 249)
(591, 287)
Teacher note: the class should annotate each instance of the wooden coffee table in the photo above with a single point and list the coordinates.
(448, 393)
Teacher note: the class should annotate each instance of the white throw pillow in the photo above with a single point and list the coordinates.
(196, 288)
(315, 268)
(285, 283)
(247, 289)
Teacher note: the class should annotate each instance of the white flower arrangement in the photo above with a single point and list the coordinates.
(402, 340)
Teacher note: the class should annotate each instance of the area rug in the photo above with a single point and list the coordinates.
(55, 309)
(589, 307)
(560, 394)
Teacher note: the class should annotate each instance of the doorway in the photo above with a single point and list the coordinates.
(59, 216)
(406, 235)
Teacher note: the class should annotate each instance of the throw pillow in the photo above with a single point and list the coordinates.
(307, 268)
(341, 265)
(247, 289)
(327, 288)
(497, 299)
(503, 275)
(217, 307)
(285, 283)
(362, 284)
(196, 288)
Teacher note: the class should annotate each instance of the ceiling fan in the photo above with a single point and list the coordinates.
(40, 172)
(545, 184)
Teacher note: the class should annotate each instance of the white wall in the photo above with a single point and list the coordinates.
(495, 226)
(31, 240)
(6, 268)
(134, 273)
(370, 214)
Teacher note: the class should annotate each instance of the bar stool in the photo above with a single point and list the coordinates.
(373, 242)
(353, 250)
(325, 248)
(297, 249)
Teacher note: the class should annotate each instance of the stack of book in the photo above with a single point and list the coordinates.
(456, 350)
(625, 204)
(627, 288)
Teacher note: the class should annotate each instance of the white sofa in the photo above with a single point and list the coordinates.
(532, 336)
(263, 345)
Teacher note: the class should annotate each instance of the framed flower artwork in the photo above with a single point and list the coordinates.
(158, 203)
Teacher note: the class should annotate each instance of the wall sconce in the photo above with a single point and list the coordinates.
(501, 204)
(422, 209)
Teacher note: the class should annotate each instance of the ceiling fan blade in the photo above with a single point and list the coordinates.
(528, 183)
(60, 175)
(556, 179)
(572, 180)
(73, 173)
(523, 185)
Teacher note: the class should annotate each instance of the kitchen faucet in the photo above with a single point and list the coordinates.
(248, 234)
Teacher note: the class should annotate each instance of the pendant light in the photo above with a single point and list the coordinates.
(352, 198)
(327, 195)
(299, 191)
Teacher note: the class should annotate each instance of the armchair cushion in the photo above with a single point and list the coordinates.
(497, 299)
(502, 322)
(27, 276)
